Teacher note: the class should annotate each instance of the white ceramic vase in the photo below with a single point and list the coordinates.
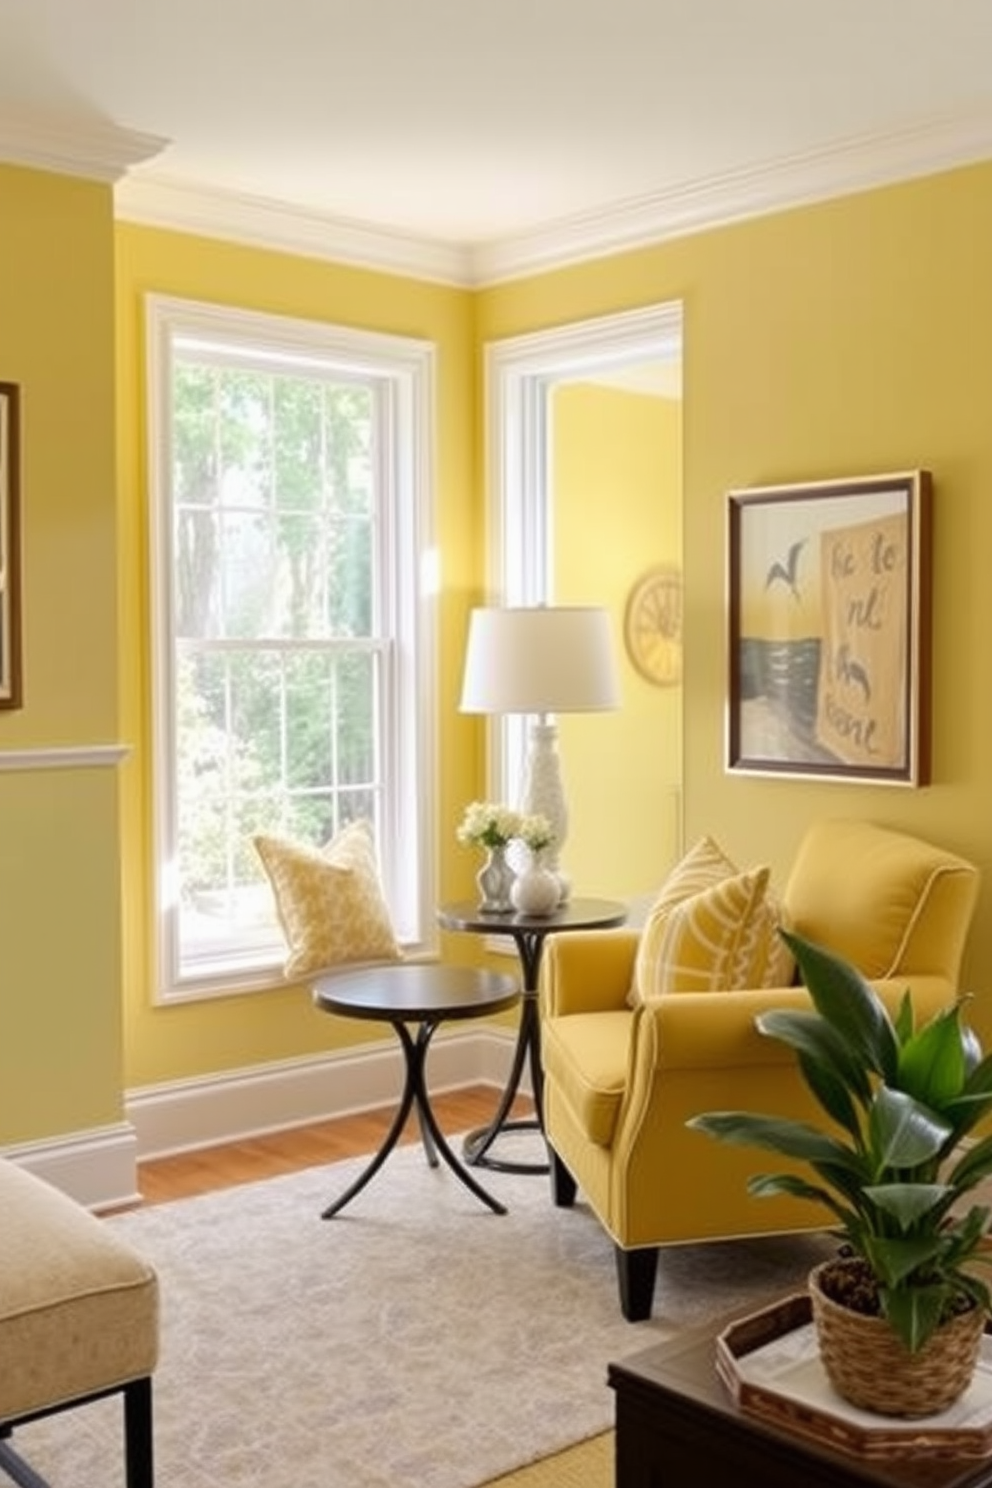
(536, 891)
(495, 880)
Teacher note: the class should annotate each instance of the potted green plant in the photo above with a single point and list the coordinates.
(890, 1166)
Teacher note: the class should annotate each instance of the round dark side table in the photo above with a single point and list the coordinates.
(426, 995)
(528, 933)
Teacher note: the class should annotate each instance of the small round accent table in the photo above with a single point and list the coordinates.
(528, 933)
(400, 994)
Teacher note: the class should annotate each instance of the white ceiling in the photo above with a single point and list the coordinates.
(477, 125)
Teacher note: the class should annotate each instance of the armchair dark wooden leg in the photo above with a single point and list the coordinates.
(138, 1447)
(139, 1469)
(636, 1272)
(563, 1185)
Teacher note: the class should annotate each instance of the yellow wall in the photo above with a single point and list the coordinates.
(60, 974)
(617, 503)
(167, 1043)
(842, 338)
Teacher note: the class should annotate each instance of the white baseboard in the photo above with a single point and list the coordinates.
(99, 1167)
(187, 1114)
(96, 1167)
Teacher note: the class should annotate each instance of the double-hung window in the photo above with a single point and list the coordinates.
(293, 686)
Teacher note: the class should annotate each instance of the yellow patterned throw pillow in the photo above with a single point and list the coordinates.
(329, 900)
(712, 928)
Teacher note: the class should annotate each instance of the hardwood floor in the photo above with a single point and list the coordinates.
(188, 1173)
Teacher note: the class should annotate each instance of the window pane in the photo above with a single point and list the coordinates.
(255, 721)
(309, 721)
(243, 416)
(202, 774)
(197, 573)
(298, 439)
(194, 436)
(245, 566)
(350, 598)
(356, 763)
(300, 574)
(349, 430)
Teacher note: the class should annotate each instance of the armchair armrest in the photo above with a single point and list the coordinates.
(587, 971)
(714, 1030)
(695, 1051)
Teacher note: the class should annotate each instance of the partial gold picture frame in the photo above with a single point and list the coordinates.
(11, 689)
(829, 621)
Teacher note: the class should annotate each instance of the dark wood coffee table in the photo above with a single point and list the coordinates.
(677, 1426)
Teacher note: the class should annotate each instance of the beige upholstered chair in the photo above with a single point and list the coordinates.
(621, 1082)
(78, 1319)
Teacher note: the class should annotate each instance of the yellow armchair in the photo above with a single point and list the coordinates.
(620, 1082)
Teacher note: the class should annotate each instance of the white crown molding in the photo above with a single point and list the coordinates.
(160, 201)
(80, 757)
(852, 165)
(97, 150)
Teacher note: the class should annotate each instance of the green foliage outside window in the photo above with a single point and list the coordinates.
(277, 663)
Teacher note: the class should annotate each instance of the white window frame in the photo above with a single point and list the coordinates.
(521, 373)
(404, 368)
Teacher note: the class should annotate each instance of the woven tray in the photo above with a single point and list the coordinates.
(770, 1363)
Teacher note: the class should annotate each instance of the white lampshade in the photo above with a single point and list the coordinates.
(543, 659)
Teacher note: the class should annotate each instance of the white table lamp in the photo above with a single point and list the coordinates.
(541, 660)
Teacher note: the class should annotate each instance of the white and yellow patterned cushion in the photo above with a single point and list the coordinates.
(329, 900)
(712, 928)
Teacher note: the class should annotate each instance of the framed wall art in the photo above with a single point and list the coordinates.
(10, 547)
(829, 629)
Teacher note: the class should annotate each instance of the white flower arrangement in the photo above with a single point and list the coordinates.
(536, 832)
(488, 824)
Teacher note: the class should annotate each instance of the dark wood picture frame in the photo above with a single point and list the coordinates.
(10, 546)
(829, 629)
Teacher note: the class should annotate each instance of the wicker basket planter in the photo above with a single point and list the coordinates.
(870, 1366)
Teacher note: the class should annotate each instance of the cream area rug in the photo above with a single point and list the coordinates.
(415, 1341)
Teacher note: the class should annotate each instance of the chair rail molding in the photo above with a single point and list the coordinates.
(72, 757)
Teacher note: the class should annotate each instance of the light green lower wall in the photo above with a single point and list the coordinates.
(61, 1060)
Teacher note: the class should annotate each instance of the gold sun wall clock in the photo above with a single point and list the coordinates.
(653, 626)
